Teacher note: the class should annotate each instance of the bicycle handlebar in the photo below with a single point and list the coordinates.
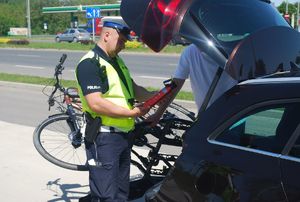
(59, 67)
(62, 59)
(58, 71)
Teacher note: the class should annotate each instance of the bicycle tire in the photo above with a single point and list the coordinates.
(52, 140)
(174, 110)
(180, 112)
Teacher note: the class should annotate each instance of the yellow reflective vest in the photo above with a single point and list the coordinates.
(117, 93)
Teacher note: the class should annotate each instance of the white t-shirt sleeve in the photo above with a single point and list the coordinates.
(183, 71)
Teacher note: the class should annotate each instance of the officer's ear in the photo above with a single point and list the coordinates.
(106, 35)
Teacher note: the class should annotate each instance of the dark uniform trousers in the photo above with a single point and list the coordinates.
(109, 167)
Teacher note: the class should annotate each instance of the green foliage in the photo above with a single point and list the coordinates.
(56, 22)
(292, 8)
(85, 2)
(57, 46)
(133, 45)
(11, 15)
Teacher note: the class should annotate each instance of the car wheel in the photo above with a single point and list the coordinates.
(57, 39)
(75, 40)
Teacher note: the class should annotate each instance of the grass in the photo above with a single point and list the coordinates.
(49, 45)
(183, 95)
(78, 46)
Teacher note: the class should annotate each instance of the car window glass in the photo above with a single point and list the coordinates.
(225, 20)
(266, 129)
(66, 32)
(72, 31)
(82, 31)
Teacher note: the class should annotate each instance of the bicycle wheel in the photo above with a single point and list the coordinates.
(173, 111)
(54, 140)
(180, 112)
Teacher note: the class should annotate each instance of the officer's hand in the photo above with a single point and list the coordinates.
(140, 110)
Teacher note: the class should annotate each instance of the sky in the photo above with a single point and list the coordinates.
(278, 2)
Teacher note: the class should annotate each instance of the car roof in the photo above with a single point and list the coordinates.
(279, 80)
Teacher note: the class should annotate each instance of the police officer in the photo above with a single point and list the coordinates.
(107, 93)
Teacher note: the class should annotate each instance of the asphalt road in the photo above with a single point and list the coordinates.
(149, 70)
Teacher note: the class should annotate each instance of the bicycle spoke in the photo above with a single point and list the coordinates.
(56, 139)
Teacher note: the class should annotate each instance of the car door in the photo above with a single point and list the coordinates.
(71, 35)
(240, 160)
(64, 36)
(290, 160)
(252, 147)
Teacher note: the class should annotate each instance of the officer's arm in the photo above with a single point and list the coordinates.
(105, 107)
(141, 93)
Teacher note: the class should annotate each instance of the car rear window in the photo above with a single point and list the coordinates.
(230, 21)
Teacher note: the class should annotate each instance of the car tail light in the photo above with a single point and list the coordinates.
(162, 20)
(132, 33)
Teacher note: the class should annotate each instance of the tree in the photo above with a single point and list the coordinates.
(292, 9)
(11, 15)
(56, 22)
(16, 10)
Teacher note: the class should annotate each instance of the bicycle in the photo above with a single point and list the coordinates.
(59, 138)
(50, 137)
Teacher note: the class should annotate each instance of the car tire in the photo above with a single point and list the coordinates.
(75, 40)
(57, 39)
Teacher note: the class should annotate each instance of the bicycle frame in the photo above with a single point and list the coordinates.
(70, 100)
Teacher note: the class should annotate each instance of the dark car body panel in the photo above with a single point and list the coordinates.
(290, 178)
(256, 175)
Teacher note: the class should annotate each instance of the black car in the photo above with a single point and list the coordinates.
(245, 144)
(179, 40)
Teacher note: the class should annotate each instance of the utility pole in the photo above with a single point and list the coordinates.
(28, 18)
(286, 7)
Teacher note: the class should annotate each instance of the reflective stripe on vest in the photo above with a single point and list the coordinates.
(117, 93)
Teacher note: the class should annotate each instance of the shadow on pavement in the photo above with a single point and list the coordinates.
(65, 192)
